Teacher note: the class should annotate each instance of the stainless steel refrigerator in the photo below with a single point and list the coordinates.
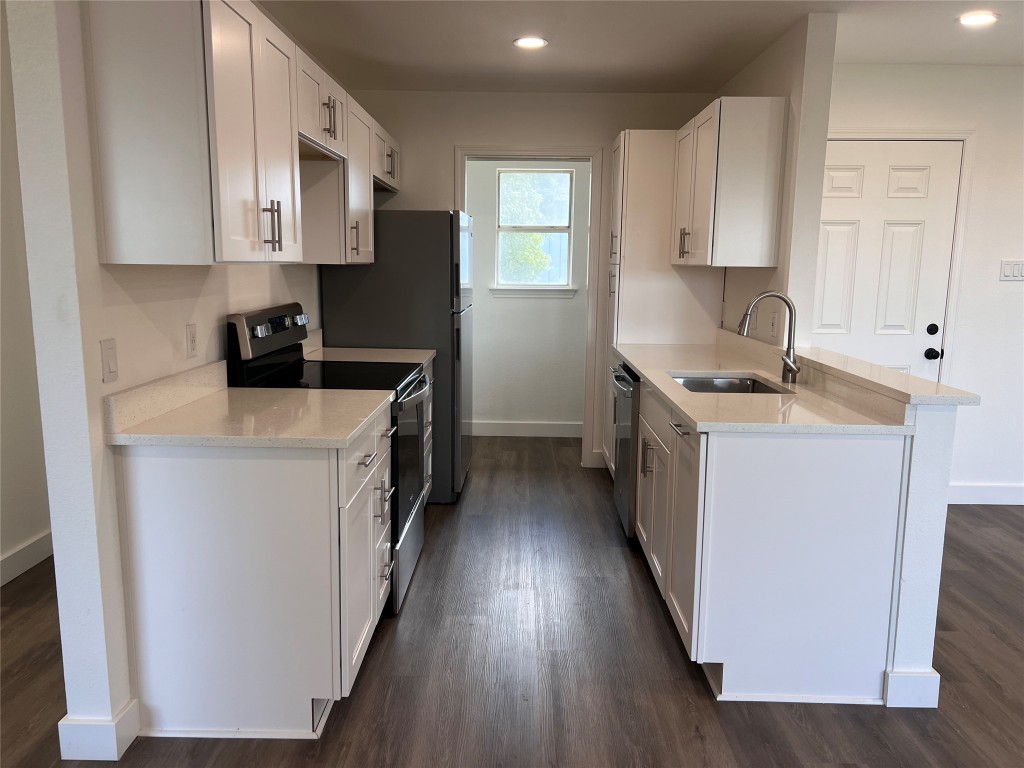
(417, 293)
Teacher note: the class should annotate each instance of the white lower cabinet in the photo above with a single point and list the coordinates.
(682, 583)
(776, 561)
(252, 590)
(653, 500)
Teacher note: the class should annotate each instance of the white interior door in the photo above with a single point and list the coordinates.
(884, 251)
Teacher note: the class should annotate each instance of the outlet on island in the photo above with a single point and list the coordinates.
(773, 325)
(191, 343)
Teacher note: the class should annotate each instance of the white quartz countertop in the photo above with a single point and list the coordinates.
(262, 418)
(810, 409)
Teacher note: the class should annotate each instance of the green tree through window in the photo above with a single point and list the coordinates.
(534, 220)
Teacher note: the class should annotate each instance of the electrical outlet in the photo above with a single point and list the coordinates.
(773, 327)
(191, 344)
(108, 358)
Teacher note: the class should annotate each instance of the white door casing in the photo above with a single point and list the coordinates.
(885, 250)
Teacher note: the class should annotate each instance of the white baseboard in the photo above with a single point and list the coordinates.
(528, 429)
(89, 739)
(31, 553)
(986, 493)
(912, 689)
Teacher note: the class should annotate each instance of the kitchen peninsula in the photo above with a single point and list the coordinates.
(796, 533)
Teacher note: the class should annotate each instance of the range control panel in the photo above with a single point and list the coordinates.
(268, 330)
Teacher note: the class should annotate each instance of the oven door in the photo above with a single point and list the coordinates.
(407, 448)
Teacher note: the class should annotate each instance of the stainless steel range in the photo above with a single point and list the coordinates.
(265, 350)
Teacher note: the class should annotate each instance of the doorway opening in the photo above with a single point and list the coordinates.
(531, 253)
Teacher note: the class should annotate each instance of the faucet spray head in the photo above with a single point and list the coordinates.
(744, 326)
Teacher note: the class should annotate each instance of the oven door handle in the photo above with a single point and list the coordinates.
(416, 397)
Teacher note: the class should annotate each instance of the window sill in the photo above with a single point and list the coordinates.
(532, 292)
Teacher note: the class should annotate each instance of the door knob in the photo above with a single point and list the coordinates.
(933, 354)
(932, 329)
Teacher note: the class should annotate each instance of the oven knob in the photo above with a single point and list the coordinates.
(302, 319)
(261, 331)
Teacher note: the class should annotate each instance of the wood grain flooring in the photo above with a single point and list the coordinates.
(534, 636)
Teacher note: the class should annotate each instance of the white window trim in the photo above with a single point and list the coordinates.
(533, 291)
(529, 290)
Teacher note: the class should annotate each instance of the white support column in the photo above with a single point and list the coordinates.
(53, 154)
(911, 681)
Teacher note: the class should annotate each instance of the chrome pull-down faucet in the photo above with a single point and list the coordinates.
(789, 367)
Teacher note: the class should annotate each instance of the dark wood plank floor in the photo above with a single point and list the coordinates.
(533, 636)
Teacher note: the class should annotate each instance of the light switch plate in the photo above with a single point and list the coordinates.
(191, 344)
(1011, 270)
(108, 358)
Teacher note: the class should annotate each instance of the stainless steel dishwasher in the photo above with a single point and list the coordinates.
(626, 418)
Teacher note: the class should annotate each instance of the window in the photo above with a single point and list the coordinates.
(534, 228)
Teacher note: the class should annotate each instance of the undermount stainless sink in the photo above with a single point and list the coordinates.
(720, 385)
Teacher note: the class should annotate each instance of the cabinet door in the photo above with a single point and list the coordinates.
(705, 165)
(618, 190)
(311, 88)
(394, 166)
(687, 534)
(358, 590)
(277, 133)
(659, 465)
(681, 227)
(645, 487)
(234, 52)
(608, 433)
(360, 184)
(337, 112)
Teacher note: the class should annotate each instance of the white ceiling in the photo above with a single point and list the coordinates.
(618, 46)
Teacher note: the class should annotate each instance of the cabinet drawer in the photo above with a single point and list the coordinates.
(357, 465)
(656, 413)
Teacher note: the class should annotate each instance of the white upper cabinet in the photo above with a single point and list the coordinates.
(360, 185)
(728, 184)
(277, 142)
(323, 106)
(386, 158)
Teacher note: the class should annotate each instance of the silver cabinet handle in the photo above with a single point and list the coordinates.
(390, 433)
(427, 480)
(356, 246)
(280, 229)
(272, 242)
(389, 164)
(394, 164)
(330, 117)
(683, 234)
(643, 456)
(611, 244)
(611, 289)
(334, 118)
(386, 573)
(680, 431)
(368, 459)
(385, 500)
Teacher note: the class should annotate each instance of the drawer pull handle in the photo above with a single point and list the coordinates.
(680, 431)
(390, 433)
(368, 459)
(386, 574)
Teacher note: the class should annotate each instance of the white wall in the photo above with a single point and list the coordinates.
(76, 302)
(986, 351)
(25, 515)
(529, 354)
(798, 65)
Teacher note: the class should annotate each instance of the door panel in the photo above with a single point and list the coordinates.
(687, 529)
(884, 251)
(681, 231)
(234, 52)
(360, 185)
(705, 165)
(277, 136)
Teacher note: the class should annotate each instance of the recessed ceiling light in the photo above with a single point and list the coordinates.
(531, 42)
(979, 18)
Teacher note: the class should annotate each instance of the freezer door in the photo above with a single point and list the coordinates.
(462, 327)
